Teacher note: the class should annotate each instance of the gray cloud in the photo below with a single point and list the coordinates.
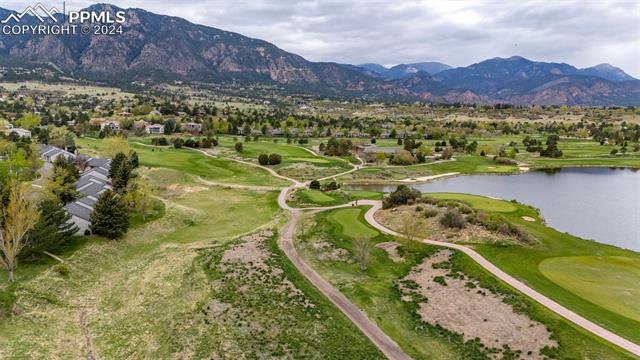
(582, 33)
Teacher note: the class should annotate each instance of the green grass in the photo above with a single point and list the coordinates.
(524, 263)
(311, 197)
(476, 201)
(196, 163)
(349, 223)
(267, 319)
(608, 281)
(142, 291)
(374, 291)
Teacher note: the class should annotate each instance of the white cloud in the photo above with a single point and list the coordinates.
(582, 33)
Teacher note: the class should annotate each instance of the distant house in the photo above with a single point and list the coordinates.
(50, 153)
(277, 132)
(192, 127)
(154, 129)
(20, 132)
(155, 112)
(110, 124)
(126, 114)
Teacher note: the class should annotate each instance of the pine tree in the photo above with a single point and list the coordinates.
(110, 217)
(116, 163)
(121, 178)
(133, 160)
(53, 229)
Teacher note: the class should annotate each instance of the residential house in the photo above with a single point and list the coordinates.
(20, 132)
(93, 181)
(50, 153)
(192, 127)
(154, 129)
(110, 124)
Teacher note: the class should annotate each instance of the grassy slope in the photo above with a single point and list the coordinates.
(143, 295)
(524, 263)
(373, 290)
(192, 162)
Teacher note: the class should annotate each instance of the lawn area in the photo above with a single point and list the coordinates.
(478, 202)
(196, 163)
(586, 288)
(349, 222)
(608, 281)
(329, 248)
(310, 197)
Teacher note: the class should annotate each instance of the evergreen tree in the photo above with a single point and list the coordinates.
(116, 163)
(53, 229)
(133, 159)
(122, 177)
(110, 217)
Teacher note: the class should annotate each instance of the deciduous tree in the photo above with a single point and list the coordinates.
(20, 216)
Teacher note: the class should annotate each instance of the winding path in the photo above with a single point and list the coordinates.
(389, 347)
(548, 303)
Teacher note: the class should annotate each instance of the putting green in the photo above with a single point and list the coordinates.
(612, 282)
(351, 224)
(478, 202)
(315, 196)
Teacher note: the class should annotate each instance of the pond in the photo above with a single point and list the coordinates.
(602, 204)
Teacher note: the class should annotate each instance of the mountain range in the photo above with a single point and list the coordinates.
(159, 48)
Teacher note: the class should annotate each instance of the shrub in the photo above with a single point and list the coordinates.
(62, 269)
(275, 159)
(453, 219)
(159, 141)
(263, 159)
(403, 157)
(400, 196)
(314, 184)
(429, 213)
(177, 143)
(419, 208)
(330, 186)
(206, 143)
(504, 229)
(239, 147)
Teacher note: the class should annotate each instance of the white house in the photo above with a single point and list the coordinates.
(192, 127)
(110, 124)
(154, 129)
(21, 132)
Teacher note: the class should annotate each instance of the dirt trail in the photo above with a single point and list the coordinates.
(91, 354)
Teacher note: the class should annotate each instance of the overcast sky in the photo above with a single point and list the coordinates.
(459, 33)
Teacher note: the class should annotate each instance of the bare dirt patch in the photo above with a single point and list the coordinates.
(395, 219)
(391, 247)
(326, 251)
(458, 304)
